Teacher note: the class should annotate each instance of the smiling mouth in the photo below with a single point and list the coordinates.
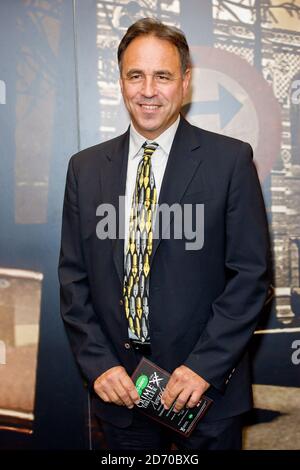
(150, 107)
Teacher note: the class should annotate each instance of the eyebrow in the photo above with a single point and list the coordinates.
(164, 72)
(156, 72)
(133, 71)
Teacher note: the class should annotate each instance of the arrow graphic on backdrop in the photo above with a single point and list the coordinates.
(227, 106)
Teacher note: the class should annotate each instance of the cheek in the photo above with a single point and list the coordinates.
(127, 94)
(174, 97)
(132, 97)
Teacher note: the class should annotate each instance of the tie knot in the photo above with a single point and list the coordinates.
(149, 148)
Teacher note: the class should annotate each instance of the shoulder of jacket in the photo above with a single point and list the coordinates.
(96, 152)
(217, 139)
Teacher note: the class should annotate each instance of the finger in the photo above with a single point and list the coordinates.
(124, 395)
(131, 390)
(194, 399)
(174, 381)
(168, 391)
(181, 400)
(171, 395)
(113, 397)
(103, 396)
(170, 385)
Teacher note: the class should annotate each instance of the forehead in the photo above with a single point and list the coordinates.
(150, 52)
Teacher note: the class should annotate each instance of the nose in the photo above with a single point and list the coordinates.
(149, 86)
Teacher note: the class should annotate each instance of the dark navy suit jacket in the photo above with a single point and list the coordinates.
(204, 304)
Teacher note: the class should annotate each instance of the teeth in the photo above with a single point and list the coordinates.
(148, 106)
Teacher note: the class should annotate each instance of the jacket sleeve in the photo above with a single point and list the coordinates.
(236, 311)
(91, 349)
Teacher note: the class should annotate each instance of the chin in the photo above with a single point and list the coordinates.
(150, 124)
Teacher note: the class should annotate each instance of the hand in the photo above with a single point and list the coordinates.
(184, 386)
(115, 386)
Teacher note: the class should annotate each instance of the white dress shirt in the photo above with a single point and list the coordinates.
(159, 161)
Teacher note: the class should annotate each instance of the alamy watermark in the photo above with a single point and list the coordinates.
(188, 221)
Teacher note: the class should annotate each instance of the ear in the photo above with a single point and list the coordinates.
(186, 81)
(121, 84)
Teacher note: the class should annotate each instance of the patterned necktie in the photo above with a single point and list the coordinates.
(139, 249)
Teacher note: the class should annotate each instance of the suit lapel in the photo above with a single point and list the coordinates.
(113, 184)
(182, 164)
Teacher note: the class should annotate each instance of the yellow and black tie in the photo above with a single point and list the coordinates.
(139, 248)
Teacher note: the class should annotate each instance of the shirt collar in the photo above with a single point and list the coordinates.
(165, 139)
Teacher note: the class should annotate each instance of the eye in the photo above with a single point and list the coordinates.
(162, 78)
(134, 77)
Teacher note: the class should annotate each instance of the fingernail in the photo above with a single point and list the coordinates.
(130, 407)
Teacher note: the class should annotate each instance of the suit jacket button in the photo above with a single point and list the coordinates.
(127, 346)
(121, 302)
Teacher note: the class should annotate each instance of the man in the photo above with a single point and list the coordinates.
(191, 311)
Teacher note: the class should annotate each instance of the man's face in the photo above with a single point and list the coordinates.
(153, 85)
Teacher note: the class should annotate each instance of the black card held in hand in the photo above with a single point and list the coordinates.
(150, 382)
